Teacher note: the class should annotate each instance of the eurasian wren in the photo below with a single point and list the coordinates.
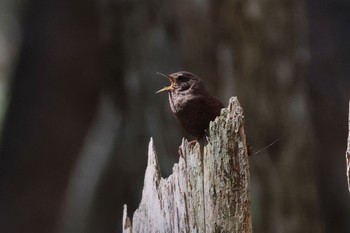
(191, 103)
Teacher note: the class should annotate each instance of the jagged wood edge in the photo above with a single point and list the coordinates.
(191, 165)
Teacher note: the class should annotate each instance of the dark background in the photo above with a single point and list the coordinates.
(77, 105)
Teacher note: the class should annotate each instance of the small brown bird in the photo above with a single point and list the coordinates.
(191, 103)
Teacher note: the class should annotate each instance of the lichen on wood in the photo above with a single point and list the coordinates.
(208, 190)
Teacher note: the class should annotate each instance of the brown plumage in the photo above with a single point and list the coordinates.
(191, 103)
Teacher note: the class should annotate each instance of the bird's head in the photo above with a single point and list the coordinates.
(182, 81)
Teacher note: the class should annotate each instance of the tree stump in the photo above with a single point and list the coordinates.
(208, 190)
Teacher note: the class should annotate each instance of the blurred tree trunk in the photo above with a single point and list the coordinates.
(54, 93)
(328, 92)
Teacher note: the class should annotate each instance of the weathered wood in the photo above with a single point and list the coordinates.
(208, 190)
(347, 156)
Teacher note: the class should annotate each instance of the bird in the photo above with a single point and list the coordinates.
(191, 103)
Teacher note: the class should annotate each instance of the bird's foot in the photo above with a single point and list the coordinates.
(191, 145)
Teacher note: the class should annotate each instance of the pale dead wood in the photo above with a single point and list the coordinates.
(348, 153)
(208, 190)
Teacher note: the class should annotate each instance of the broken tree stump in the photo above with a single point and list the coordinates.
(208, 190)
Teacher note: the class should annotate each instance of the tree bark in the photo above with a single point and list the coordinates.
(209, 188)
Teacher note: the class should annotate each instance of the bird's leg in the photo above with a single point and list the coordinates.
(191, 145)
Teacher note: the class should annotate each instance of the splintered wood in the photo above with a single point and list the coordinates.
(208, 190)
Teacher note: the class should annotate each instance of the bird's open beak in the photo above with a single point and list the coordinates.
(168, 88)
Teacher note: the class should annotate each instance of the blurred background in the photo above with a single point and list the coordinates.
(77, 105)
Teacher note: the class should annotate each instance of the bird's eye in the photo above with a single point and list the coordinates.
(182, 78)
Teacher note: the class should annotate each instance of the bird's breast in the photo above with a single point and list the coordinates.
(195, 112)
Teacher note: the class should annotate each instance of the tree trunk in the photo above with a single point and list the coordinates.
(209, 188)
